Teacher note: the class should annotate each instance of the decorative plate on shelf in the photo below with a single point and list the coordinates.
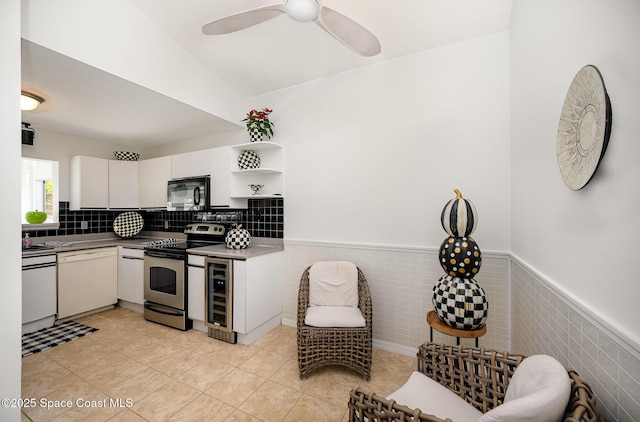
(128, 224)
(248, 160)
(584, 128)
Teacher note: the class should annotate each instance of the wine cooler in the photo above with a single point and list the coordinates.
(219, 299)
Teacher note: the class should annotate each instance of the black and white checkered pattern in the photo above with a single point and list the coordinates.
(238, 239)
(50, 337)
(248, 160)
(128, 224)
(126, 156)
(256, 135)
(460, 302)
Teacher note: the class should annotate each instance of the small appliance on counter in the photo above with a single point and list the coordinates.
(189, 194)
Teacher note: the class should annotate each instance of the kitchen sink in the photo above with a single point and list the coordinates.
(36, 247)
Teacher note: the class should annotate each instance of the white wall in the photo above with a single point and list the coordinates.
(11, 297)
(373, 155)
(584, 242)
(60, 147)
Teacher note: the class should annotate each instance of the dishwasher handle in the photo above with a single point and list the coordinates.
(85, 256)
(37, 266)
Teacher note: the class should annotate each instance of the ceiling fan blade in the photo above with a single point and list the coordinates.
(348, 32)
(242, 20)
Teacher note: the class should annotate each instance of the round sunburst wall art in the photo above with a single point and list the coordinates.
(584, 128)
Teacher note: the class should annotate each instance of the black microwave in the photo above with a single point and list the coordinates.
(189, 193)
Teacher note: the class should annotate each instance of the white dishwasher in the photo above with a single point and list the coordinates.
(87, 280)
(38, 292)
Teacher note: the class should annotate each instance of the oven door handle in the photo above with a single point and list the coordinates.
(167, 255)
(161, 311)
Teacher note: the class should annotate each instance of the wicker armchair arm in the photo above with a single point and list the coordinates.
(582, 404)
(365, 406)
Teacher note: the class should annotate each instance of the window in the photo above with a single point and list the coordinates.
(40, 191)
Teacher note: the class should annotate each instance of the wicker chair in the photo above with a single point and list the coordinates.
(319, 346)
(479, 376)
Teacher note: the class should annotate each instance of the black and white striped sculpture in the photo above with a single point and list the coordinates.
(457, 297)
(459, 217)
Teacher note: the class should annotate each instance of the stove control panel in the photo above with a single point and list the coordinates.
(205, 228)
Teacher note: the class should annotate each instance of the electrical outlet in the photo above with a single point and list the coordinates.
(84, 225)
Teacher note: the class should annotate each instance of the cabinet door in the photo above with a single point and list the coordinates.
(126, 269)
(87, 280)
(195, 296)
(131, 275)
(220, 177)
(200, 163)
(263, 289)
(123, 184)
(89, 183)
(154, 175)
(180, 165)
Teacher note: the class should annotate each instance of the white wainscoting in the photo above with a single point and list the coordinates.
(545, 319)
(401, 281)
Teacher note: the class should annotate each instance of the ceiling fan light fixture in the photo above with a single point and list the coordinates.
(302, 10)
(29, 101)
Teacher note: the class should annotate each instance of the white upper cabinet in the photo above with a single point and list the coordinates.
(188, 164)
(220, 187)
(89, 183)
(123, 184)
(154, 174)
(200, 163)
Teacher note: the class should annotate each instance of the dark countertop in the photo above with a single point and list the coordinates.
(260, 246)
(221, 251)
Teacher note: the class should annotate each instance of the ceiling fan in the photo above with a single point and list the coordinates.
(342, 28)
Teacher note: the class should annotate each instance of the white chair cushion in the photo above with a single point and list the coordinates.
(333, 283)
(334, 316)
(422, 392)
(538, 391)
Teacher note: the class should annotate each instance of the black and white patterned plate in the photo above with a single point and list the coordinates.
(126, 155)
(128, 224)
(248, 160)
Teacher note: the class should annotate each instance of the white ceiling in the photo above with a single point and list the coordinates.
(270, 56)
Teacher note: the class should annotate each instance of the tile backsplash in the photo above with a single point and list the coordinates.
(263, 218)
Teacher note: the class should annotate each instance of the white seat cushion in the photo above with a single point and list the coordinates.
(333, 283)
(422, 392)
(334, 316)
(538, 391)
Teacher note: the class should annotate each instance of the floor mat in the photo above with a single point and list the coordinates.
(50, 337)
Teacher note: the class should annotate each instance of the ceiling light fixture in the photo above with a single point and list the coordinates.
(29, 101)
(302, 10)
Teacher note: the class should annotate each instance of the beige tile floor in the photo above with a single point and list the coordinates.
(163, 374)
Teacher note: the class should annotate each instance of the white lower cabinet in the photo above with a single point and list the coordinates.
(195, 287)
(87, 280)
(131, 275)
(257, 296)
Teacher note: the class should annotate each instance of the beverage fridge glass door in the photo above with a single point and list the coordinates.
(219, 294)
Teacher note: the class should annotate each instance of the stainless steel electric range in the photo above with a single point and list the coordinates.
(165, 275)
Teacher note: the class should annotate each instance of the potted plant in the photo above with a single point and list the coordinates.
(258, 124)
